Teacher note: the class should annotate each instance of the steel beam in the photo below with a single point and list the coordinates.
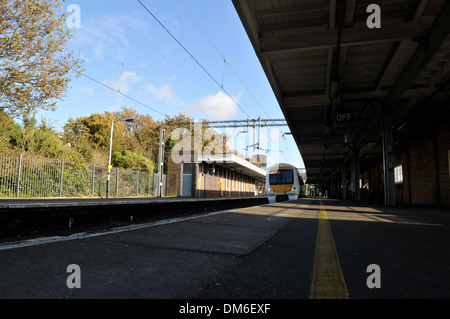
(350, 37)
(388, 160)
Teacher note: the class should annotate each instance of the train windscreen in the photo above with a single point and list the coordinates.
(280, 177)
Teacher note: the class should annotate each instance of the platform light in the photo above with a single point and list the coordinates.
(128, 120)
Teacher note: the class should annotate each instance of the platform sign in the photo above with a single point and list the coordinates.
(343, 117)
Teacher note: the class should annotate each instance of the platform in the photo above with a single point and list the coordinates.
(30, 218)
(263, 252)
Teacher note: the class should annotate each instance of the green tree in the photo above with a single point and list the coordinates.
(34, 68)
(141, 135)
(96, 130)
(40, 140)
(132, 160)
(8, 130)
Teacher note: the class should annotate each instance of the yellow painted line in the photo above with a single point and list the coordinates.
(327, 279)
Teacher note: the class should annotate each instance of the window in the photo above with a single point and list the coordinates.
(398, 174)
(281, 177)
(187, 168)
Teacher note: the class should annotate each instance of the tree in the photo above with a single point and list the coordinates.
(132, 160)
(95, 129)
(34, 70)
(90, 135)
(8, 131)
(142, 133)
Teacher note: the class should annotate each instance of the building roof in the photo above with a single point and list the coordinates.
(322, 60)
(233, 162)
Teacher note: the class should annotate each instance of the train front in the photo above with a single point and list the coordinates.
(282, 183)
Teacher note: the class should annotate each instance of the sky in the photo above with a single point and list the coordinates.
(206, 69)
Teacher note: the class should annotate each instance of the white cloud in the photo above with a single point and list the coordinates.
(109, 30)
(216, 107)
(123, 84)
(164, 93)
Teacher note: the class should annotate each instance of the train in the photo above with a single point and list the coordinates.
(284, 182)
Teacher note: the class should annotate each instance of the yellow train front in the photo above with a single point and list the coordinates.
(284, 182)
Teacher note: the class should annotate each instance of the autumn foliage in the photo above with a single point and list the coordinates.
(35, 69)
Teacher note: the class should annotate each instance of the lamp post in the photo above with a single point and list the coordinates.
(110, 151)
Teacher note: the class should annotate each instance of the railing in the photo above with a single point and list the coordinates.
(33, 177)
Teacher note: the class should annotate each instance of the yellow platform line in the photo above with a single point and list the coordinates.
(327, 278)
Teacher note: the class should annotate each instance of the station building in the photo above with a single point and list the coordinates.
(216, 175)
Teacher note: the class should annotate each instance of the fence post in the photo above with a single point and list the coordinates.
(137, 182)
(93, 179)
(61, 178)
(117, 182)
(18, 176)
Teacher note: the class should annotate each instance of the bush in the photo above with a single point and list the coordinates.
(132, 160)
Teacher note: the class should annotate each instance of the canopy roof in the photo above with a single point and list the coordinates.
(324, 62)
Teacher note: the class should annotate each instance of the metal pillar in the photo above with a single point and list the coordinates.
(355, 175)
(18, 176)
(337, 186)
(388, 160)
(61, 178)
(160, 162)
(93, 179)
(344, 185)
(109, 161)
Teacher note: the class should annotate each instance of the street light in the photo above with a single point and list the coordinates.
(110, 151)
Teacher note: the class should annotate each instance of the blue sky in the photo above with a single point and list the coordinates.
(124, 47)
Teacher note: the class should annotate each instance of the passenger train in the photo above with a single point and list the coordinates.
(284, 182)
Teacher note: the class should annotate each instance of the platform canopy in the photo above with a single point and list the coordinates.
(234, 163)
(335, 77)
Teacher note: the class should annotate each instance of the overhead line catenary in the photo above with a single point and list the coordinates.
(190, 54)
(225, 61)
(248, 122)
(103, 84)
(237, 123)
(117, 91)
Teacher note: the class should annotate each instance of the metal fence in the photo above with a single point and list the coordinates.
(32, 177)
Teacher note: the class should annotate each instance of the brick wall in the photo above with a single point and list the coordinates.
(443, 143)
(422, 171)
(173, 178)
(425, 162)
(424, 157)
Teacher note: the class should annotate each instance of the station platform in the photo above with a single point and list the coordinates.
(304, 249)
(28, 218)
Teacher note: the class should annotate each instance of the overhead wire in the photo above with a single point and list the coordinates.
(190, 54)
(118, 91)
(229, 65)
(223, 57)
(101, 83)
(123, 63)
